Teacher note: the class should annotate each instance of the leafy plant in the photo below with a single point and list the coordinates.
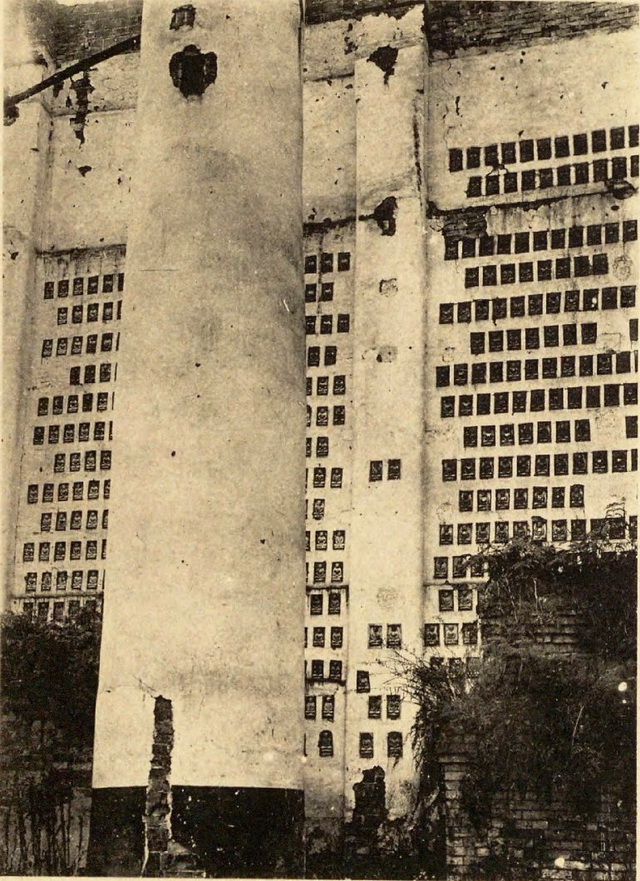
(550, 712)
(49, 685)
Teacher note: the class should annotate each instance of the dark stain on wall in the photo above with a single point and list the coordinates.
(116, 841)
(318, 11)
(417, 149)
(183, 17)
(240, 832)
(192, 71)
(71, 32)
(370, 808)
(83, 89)
(384, 215)
(312, 228)
(385, 58)
(470, 222)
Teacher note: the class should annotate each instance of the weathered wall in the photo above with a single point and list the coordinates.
(467, 27)
(318, 11)
(332, 48)
(89, 201)
(86, 176)
(77, 30)
(329, 119)
(451, 26)
(513, 94)
(536, 837)
(330, 414)
(25, 175)
(77, 198)
(557, 370)
(363, 122)
(386, 581)
(497, 74)
(486, 91)
(65, 483)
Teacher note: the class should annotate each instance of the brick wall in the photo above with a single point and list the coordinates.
(72, 32)
(480, 27)
(317, 11)
(528, 836)
(533, 839)
(557, 637)
(158, 803)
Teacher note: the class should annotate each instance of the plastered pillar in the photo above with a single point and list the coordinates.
(388, 388)
(205, 592)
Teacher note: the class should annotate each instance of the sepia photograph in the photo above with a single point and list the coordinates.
(320, 439)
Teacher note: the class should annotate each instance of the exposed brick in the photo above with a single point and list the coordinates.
(318, 11)
(455, 26)
(157, 807)
(534, 833)
(73, 32)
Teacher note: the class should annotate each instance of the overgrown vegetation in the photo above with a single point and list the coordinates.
(530, 583)
(550, 710)
(49, 685)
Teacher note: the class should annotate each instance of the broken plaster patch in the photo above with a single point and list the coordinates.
(388, 286)
(157, 815)
(385, 58)
(387, 354)
(384, 215)
(192, 71)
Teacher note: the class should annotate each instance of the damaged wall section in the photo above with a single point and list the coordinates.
(467, 26)
(157, 817)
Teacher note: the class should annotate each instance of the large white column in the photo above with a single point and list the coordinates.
(205, 582)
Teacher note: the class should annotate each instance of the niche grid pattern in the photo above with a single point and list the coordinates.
(328, 299)
(328, 294)
(583, 374)
(63, 515)
(543, 149)
(508, 170)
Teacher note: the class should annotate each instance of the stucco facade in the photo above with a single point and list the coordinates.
(511, 411)
(470, 176)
